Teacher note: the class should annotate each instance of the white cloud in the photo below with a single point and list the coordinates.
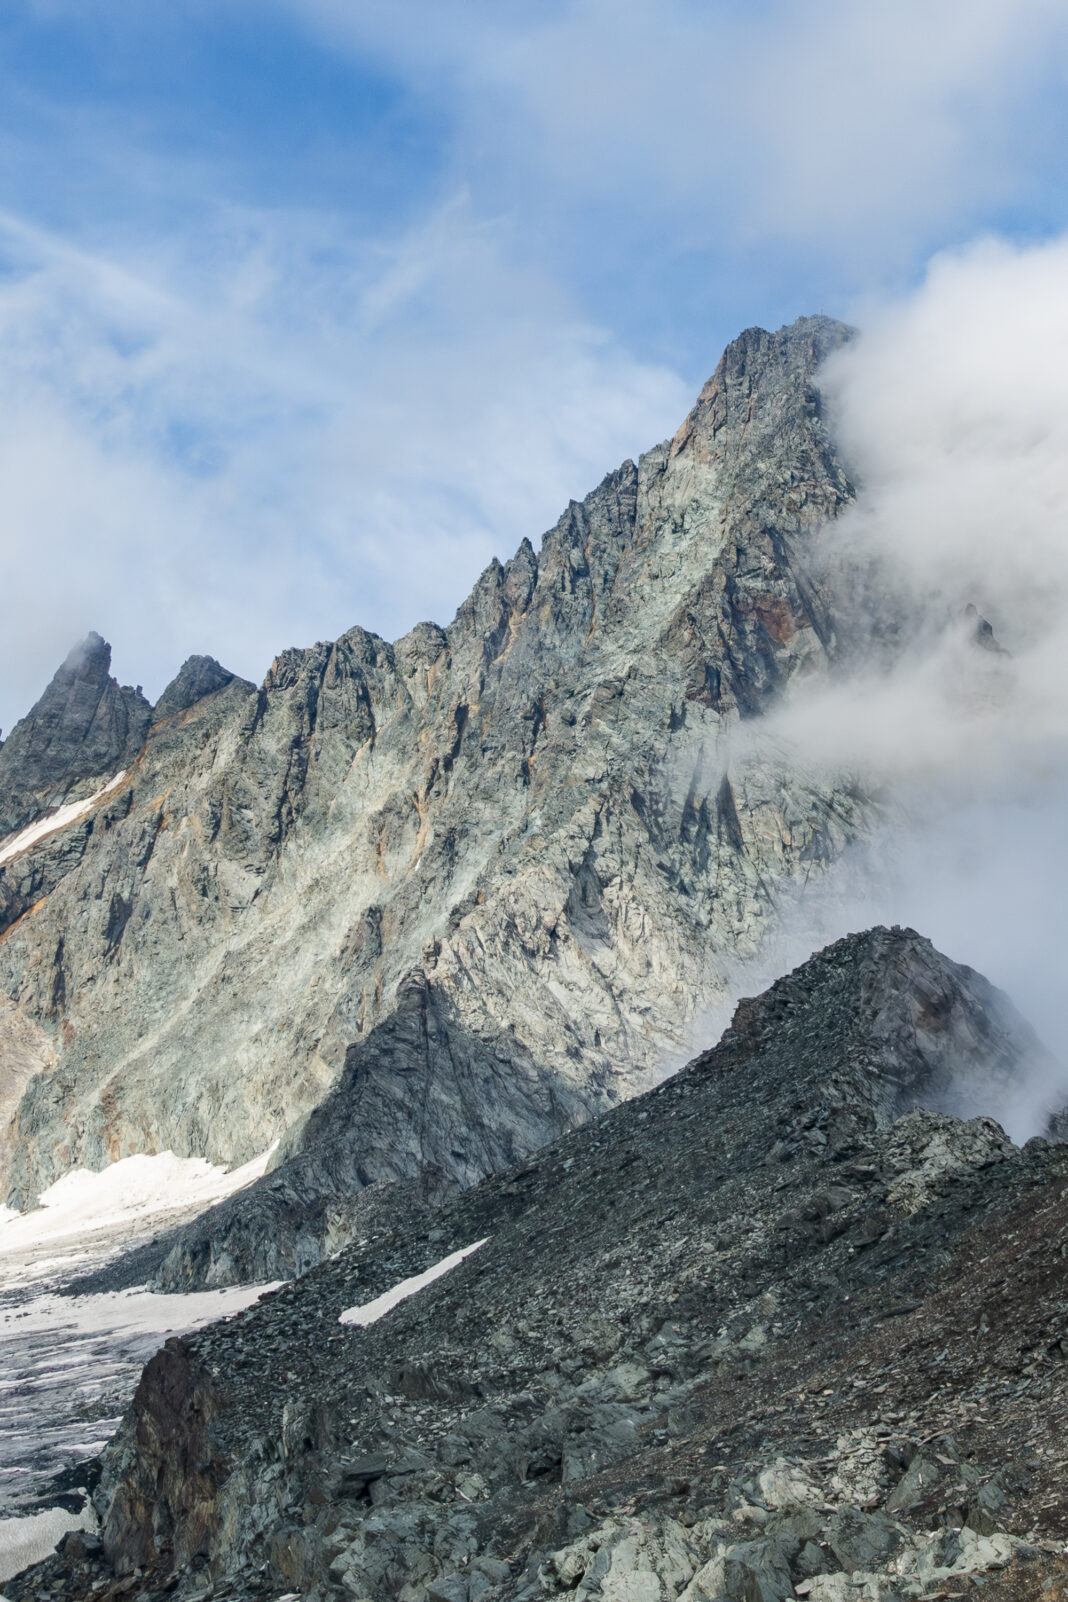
(952, 412)
(235, 449)
(862, 134)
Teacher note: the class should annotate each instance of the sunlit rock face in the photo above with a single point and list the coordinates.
(475, 883)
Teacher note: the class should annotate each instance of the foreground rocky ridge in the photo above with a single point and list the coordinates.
(776, 1328)
(474, 883)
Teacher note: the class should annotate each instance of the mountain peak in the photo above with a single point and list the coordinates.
(886, 1017)
(84, 728)
(522, 807)
(757, 382)
(89, 659)
(197, 677)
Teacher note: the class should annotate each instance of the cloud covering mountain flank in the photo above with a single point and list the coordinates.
(951, 412)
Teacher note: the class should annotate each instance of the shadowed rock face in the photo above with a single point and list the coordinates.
(198, 676)
(704, 1304)
(81, 732)
(480, 879)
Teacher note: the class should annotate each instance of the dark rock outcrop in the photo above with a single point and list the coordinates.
(197, 677)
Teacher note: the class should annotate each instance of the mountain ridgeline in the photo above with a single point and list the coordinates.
(415, 909)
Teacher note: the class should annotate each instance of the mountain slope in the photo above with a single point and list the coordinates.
(779, 1251)
(524, 831)
(314, 1199)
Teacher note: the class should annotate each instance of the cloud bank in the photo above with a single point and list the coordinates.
(951, 411)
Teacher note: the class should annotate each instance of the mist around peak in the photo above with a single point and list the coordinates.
(948, 581)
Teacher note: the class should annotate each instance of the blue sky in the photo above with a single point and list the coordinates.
(309, 307)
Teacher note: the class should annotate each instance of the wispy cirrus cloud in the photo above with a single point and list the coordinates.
(862, 136)
(305, 432)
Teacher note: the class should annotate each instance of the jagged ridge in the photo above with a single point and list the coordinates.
(524, 832)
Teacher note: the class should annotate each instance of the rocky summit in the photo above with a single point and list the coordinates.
(83, 730)
(415, 909)
(778, 1328)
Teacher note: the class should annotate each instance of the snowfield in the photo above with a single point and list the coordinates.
(69, 1364)
(133, 1193)
(32, 1539)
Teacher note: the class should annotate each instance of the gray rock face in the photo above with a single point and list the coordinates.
(81, 732)
(477, 881)
(683, 1364)
(197, 677)
(876, 1025)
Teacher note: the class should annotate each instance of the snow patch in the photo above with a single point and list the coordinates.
(370, 1312)
(53, 821)
(127, 1312)
(31, 1540)
(83, 1203)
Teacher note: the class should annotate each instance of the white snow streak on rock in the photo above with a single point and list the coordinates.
(55, 820)
(371, 1311)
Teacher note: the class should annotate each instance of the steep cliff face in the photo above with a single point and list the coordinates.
(480, 878)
